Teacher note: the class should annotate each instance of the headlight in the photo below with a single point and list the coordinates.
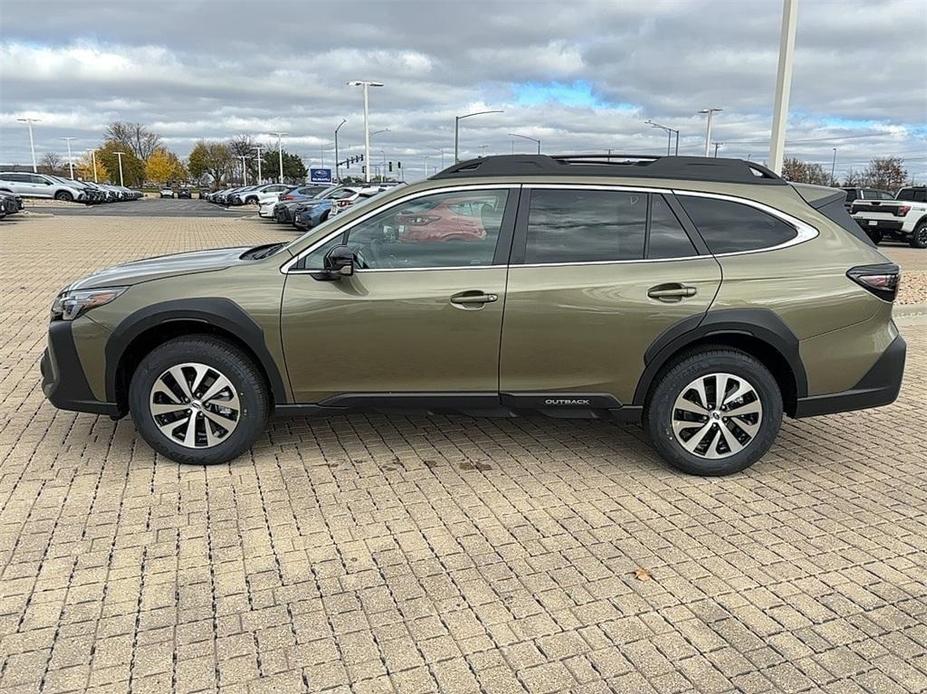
(69, 305)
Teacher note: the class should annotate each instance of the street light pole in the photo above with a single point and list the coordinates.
(119, 157)
(337, 172)
(526, 137)
(244, 171)
(708, 111)
(260, 157)
(440, 149)
(29, 122)
(93, 158)
(783, 84)
(366, 84)
(717, 144)
(70, 159)
(833, 166)
(280, 152)
(669, 135)
(457, 120)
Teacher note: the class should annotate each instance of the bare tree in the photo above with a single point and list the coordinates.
(805, 172)
(51, 163)
(886, 173)
(134, 136)
(244, 145)
(854, 179)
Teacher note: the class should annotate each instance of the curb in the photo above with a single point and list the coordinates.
(901, 310)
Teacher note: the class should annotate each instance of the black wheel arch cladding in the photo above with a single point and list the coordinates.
(760, 324)
(215, 312)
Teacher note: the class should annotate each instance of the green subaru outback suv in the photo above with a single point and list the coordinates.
(702, 297)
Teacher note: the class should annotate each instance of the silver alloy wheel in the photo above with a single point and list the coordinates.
(194, 405)
(717, 415)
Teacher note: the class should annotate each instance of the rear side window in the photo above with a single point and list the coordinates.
(731, 227)
(575, 226)
(667, 237)
(913, 194)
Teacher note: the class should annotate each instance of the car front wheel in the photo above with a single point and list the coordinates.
(715, 412)
(64, 196)
(198, 400)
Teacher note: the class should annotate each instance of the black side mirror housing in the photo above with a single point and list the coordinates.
(338, 263)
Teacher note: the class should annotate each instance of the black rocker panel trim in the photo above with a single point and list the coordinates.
(760, 323)
(221, 313)
(570, 404)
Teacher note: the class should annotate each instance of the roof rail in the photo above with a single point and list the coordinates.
(721, 170)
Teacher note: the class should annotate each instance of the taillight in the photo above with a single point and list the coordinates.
(882, 279)
(343, 203)
(902, 211)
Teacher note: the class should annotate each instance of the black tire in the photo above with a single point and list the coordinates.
(919, 236)
(659, 410)
(251, 201)
(875, 236)
(64, 196)
(228, 360)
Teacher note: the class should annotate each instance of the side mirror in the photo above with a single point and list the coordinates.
(338, 263)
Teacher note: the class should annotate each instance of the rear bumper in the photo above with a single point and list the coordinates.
(880, 224)
(63, 379)
(880, 386)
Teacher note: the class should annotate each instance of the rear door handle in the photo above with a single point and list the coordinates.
(473, 299)
(673, 291)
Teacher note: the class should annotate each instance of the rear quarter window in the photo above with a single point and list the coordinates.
(733, 227)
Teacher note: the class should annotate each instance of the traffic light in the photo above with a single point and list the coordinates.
(391, 167)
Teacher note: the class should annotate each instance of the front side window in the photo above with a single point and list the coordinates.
(458, 229)
(731, 227)
(574, 226)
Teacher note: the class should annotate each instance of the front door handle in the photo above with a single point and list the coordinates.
(473, 299)
(673, 291)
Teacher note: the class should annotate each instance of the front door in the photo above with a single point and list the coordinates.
(597, 276)
(422, 314)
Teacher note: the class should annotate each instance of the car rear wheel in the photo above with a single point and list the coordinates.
(715, 412)
(875, 236)
(919, 236)
(64, 196)
(198, 400)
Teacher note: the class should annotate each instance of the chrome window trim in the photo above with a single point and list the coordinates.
(803, 231)
(286, 267)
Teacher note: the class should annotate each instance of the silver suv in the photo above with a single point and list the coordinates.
(35, 185)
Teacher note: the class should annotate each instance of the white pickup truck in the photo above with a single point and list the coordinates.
(904, 218)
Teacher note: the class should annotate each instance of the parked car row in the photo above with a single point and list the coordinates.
(9, 204)
(902, 217)
(36, 185)
(246, 195)
(307, 206)
(181, 192)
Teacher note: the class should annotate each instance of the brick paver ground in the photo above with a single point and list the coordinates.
(439, 553)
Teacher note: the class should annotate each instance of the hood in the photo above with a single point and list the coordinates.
(162, 266)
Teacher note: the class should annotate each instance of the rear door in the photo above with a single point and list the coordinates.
(422, 314)
(597, 274)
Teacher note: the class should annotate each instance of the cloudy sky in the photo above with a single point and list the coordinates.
(579, 76)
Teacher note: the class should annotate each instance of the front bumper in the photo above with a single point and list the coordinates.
(880, 386)
(63, 380)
